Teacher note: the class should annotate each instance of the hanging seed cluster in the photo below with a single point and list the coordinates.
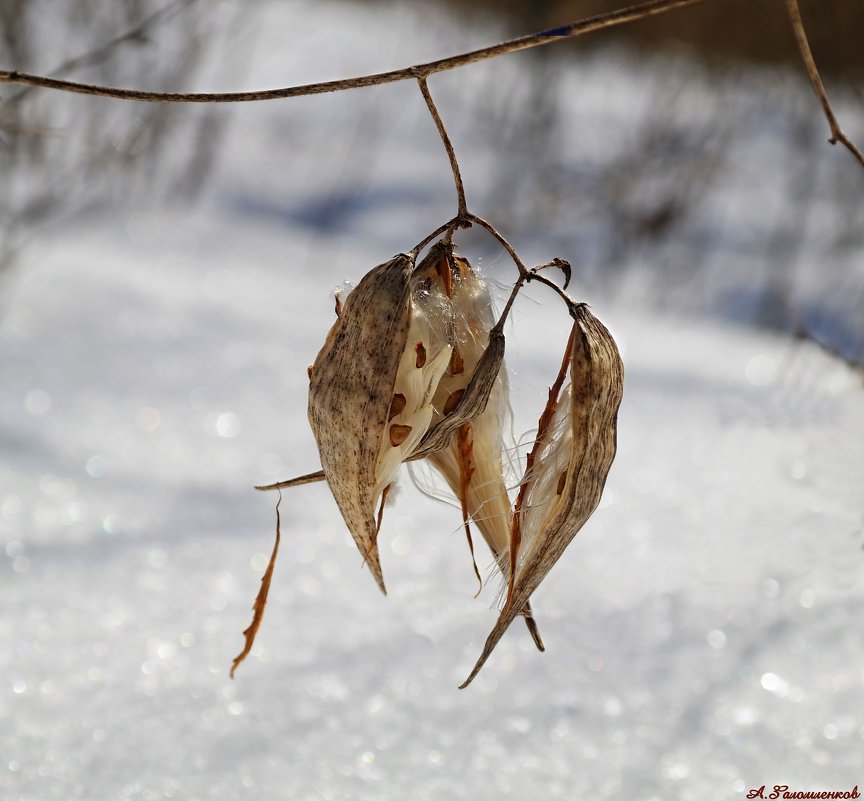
(413, 368)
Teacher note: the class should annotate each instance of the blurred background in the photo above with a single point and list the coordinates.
(702, 183)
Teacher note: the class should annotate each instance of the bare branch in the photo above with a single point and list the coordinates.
(837, 134)
(417, 71)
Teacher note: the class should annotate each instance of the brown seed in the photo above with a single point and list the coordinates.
(398, 434)
(397, 405)
(442, 267)
(461, 268)
(457, 363)
(453, 401)
(562, 482)
(421, 354)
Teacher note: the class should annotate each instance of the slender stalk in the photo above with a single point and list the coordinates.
(499, 326)
(439, 230)
(417, 71)
(462, 212)
(309, 478)
(837, 134)
(533, 276)
(520, 265)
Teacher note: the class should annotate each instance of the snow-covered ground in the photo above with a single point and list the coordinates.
(703, 631)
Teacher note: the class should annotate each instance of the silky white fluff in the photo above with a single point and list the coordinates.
(418, 385)
(553, 459)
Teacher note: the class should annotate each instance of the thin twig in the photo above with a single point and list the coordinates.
(417, 71)
(525, 275)
(520, 265)
(462, 212)
(499, 326)
(837, 134)
(439, 230)
(533, 276)
(309, 478)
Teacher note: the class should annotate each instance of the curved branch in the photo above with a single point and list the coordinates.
(417, 71)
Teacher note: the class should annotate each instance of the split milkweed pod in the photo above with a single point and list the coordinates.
(567, 467)
(458, 301)
(370, 396)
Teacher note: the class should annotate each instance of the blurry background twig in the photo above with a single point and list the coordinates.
(837, 134)
(59, 159)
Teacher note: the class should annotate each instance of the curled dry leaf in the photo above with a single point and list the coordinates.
(575, 446)
(261, 599)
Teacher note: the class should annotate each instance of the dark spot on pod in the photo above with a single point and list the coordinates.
(562, 481)
(398, 434)
(338, 305)
(420, 350)
(397, 405)
(309, 371)
(453, 400)
(457, 363)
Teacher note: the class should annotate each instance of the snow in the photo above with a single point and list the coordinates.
(703, 631)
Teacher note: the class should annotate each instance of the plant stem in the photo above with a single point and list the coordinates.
(462, 212)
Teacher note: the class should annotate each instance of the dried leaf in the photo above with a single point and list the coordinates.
(582, 438)
(260, 599)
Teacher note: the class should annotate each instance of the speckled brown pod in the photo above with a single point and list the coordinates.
(564, 480)
(351, 394)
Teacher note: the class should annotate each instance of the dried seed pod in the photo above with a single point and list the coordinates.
(370, 396)
(568, 465)
(350, 393)
(458, 300)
